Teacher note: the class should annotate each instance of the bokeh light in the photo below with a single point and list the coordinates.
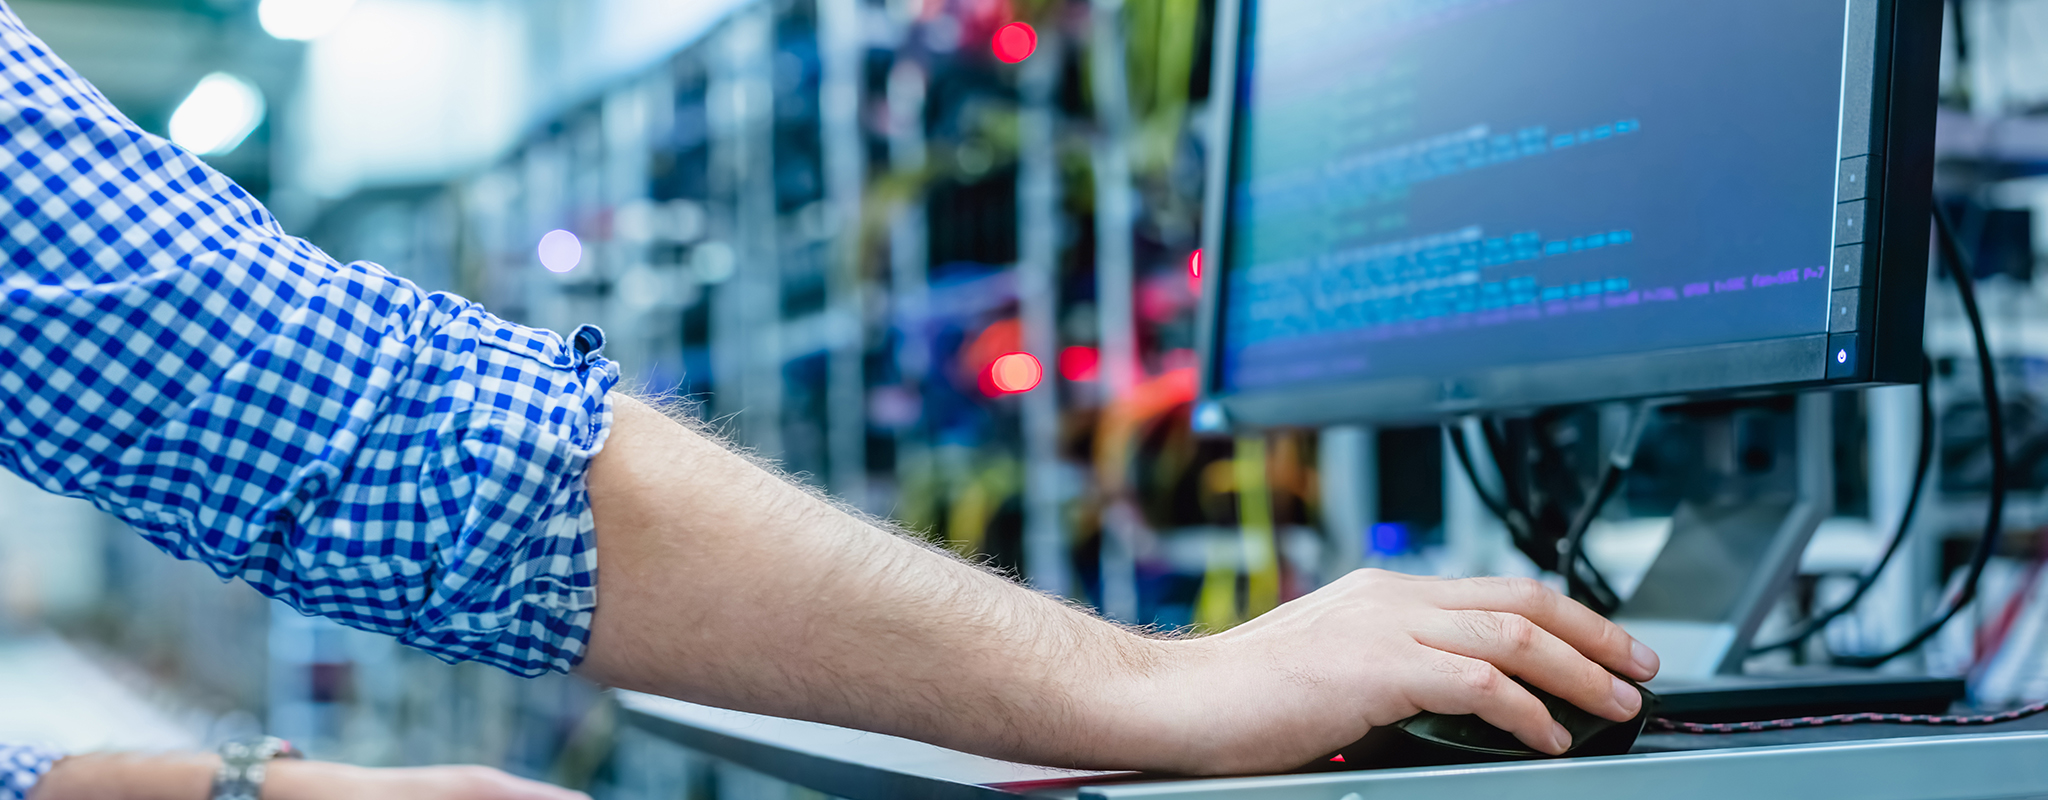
(1080, 363)
(560, 251)
(219, 113)
(1195, 264)
(1016, 372)
(302, 19)
(1014, 42)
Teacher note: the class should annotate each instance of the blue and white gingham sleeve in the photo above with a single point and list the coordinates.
(400, 461)
(21, 767)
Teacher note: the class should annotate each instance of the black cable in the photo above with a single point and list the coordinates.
(1513, 490)
(1571, 550)
(1592, 588)
(1961, 268)
(1817, 622)
(1961, 21)
(1517, 523)
(1563, 484)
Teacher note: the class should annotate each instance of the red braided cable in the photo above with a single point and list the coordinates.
(1675, 726)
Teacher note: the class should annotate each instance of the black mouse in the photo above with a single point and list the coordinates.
(1428, 740)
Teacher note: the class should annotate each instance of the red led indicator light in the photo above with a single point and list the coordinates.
(1337, 758)
(1014, 42)
(1016, 372)
(1195, 264)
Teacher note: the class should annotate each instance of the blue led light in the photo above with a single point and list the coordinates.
(1388, 539)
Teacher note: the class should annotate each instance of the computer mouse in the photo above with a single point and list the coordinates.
(1427, 740)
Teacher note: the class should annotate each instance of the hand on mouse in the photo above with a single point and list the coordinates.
(1376, 647)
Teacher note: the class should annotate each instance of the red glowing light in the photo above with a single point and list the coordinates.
(1339, 758)
(1016, 372)
(1080, 363)
(1195, 264)
(1014, 42)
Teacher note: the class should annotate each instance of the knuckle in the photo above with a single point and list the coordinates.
(1517, 633)
(1529, 592)
(1479, 678)
(1611, 639)
(1368, 576)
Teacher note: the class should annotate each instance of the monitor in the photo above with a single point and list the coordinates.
(1425, 208)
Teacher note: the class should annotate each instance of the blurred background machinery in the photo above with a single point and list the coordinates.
(937, 257)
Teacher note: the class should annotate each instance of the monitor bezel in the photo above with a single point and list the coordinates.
(1903, 69)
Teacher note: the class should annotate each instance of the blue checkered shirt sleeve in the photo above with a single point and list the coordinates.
(400, 461)
(21, 767)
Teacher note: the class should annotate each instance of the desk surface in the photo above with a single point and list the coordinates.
(1871, 762)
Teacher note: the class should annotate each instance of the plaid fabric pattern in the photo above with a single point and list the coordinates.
(20, 768)
(341, 440)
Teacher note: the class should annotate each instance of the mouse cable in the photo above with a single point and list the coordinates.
(1961, 268)
(1817, 622)
(1596, 590)
(1667, 725)
(1619, 460)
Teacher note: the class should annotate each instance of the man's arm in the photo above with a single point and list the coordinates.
(721, 583)
(189, 776)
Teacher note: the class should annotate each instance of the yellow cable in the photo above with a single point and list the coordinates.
(1216, 604)
(1255, 518)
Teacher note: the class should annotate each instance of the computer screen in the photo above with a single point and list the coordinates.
(1438, 206)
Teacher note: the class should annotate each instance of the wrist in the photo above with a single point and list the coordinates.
(310, 780)
(1147, 716)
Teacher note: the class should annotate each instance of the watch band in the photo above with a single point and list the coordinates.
(243, 763)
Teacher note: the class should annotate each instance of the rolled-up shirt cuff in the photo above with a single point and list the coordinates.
(22, 767)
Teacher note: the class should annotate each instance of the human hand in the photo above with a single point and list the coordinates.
(1376, 647)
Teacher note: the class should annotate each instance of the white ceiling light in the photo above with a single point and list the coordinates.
(218, 114)
(302, 19)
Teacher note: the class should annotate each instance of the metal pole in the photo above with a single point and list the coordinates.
(1474, 542)
(908, 258)
(635, 334)
(1347, 466)
(1045, 546)
(1896, 603)
(747, 348)
(908, 235)
(839, 44)
(1115, 218)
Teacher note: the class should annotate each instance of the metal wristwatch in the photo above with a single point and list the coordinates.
(243, 763)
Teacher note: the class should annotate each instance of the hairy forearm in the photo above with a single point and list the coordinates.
(721, 583)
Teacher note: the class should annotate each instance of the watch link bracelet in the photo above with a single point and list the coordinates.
(243, 763)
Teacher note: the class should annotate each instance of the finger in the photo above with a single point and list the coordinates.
(1589, 633)
(1525, 650)
(1461, 685)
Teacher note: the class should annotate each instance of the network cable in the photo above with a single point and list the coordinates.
(1677, 726)
(1961, 268)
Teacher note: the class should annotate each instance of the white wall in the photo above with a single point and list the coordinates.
(407, 91)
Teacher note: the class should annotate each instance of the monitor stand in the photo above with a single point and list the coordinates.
(1751, 504)
(1735, 544)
